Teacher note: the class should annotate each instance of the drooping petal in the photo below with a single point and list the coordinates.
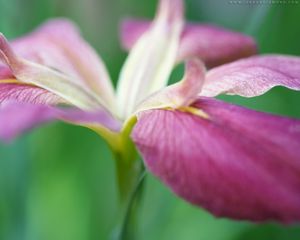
(238, 163)
(58, 44)
(12, 90)
(214, 45)
(180, 94)
(46, 78)
(152, 59)
(17, 117)
(97, 119)
(253, 76)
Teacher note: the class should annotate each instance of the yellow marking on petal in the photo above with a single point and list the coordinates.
(196, 111)
(10, 81)
(15, 81)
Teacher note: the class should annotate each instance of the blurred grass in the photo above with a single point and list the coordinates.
(57, 183)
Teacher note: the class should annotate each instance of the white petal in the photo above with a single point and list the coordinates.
(152, 59)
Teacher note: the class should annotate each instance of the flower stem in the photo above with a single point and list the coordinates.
(130, 177)
(127, 171)
(127, 225)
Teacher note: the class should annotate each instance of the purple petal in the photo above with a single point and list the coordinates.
(214, 45)
(58, 44)
(180, 94)
(253, 76)
(131, 30)
(5, 73)
(98, 119)
(52, 80)
(17, 117)
(27, 93)
(238, 163)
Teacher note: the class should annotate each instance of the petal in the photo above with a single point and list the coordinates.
(11, 90)
(58, 44)
(17, 117)
(253, 76)
(29, 72)
(214, 45)
(5, 72)
(238, 163)
(180, 94)
(95, 120)
(150, 62)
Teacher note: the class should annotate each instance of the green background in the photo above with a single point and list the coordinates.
(58, 182)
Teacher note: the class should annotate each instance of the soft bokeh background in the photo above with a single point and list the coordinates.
(58, 182)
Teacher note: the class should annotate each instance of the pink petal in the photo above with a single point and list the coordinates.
(17, 117)
(214, 45)
(239, 163)
(5, 73)
(27, 94)
(253, 76)
(50, 79)
(24, 92)
(180, 94)
(98, 119)
(58, 44)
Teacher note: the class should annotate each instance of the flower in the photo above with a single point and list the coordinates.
(232, 161)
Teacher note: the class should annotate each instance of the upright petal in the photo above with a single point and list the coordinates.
(58, 44)
(29, 72)
(253, 76)
(180, 94)
(17, 117)
(237, 163)
(214, 45)
(152, 59)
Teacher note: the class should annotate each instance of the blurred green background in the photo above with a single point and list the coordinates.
(58, 182)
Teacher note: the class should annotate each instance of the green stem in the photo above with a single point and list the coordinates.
(130, 176)
(128, 227)
(127, 171)
(128, 166)
(130, 197)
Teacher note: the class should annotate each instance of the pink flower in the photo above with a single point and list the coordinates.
(234, 162)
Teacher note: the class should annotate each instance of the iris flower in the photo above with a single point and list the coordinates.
(234, 162)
